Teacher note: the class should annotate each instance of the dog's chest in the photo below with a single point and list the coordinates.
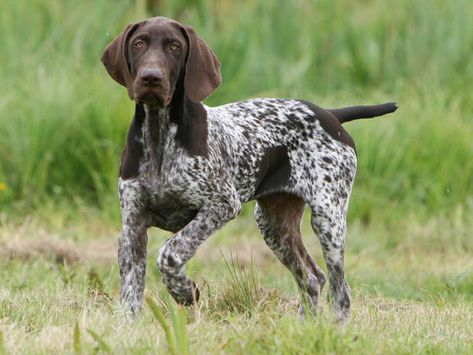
(163, 201)
(172, 198)
(163, 190)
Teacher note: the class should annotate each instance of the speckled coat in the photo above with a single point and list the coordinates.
(188, 168)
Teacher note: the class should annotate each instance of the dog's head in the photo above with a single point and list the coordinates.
(150, 57)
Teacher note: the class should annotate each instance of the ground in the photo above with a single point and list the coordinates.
(412, 292)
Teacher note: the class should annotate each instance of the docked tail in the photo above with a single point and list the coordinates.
(347, 114)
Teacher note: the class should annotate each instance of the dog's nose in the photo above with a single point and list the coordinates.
(151, 76)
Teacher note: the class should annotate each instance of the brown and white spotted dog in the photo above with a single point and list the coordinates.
(187, 168)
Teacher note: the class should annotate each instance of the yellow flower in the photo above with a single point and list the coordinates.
(3, 186)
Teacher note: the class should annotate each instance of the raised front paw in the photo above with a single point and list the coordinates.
(184, 291)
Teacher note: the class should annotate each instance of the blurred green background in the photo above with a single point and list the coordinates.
(63, 120)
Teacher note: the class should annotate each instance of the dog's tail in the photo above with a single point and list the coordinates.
(347, 114)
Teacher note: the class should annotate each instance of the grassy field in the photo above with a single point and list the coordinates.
(410, 245)
(412, 293)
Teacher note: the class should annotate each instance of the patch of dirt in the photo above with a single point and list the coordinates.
(31, 240)
(59, 250)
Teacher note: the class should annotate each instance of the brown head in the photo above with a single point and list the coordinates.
(151, 56)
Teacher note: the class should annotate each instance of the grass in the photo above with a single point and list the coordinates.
(62, 128)
(63, 120)
(412, 292)
(412, 296)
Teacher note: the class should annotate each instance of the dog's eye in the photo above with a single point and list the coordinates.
(139, 44)
(174, 46)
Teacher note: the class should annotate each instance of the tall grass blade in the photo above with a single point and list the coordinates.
(178, 319)
(101, 343)
(2, 344)
(162, 321)
(76, 339)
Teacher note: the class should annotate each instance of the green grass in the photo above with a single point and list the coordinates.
(63, 120)
(412, 296)
(62, 126)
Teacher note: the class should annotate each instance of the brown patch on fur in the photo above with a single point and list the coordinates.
(133, 152)
(330, 124)
(274, 170)
(280, 224)
(191, 119)
(287, 208)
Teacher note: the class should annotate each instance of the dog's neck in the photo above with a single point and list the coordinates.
(155, 130)
(154, 123)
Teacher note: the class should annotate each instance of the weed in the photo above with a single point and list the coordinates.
(176, 333)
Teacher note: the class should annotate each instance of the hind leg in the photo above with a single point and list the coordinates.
(278, 217)
(329, 223)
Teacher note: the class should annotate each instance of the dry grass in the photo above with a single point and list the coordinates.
(412, 289)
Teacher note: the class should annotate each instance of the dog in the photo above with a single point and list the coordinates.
(187, 168)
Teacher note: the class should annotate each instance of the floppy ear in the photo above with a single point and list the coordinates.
(202, 68)
(115, 58)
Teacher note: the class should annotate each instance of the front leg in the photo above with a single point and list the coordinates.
(132, 265)
(177, 250)
(132, 245)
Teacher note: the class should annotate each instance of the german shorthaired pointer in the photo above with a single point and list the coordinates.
(187, 168)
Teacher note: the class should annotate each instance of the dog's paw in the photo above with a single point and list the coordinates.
(187, 295)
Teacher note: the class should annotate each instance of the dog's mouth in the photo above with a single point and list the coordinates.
(152, 96)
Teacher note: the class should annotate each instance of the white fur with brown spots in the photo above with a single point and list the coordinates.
(188, 168)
